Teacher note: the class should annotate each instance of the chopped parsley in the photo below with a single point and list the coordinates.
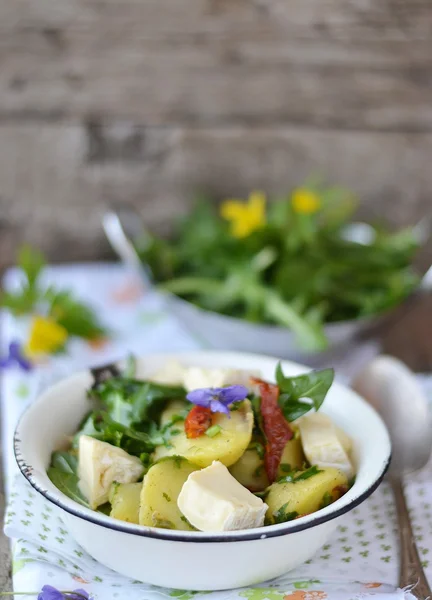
(213, 430)
(258, 471)
(294, 478)
(282, 516)
(159, 521)
(258, 447)
(286, 468)
(167, 498)
(327, 499)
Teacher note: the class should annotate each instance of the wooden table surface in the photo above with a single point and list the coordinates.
(410, 339)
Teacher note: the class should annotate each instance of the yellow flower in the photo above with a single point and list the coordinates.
(46, 336)
(245, 217)
(305, 202)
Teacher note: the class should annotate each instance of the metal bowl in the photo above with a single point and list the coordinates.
(221, 332)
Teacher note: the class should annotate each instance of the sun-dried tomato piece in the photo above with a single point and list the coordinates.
(275, 426)
(339, 491)
(198, 421)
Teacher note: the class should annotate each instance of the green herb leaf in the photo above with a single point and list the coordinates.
(68, 484)
(65, 461)
(327, 500)
(282, 516)
(285, 468)
(131, 401)
(77, 318)
(295, 477)
(294, 391)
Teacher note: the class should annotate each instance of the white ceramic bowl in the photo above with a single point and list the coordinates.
(196, 560)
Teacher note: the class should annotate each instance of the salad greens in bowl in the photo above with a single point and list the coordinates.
(254, 458)
(291, 275)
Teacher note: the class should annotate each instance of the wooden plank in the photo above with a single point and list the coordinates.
(345, 19)
(206, 62)
(57, 179)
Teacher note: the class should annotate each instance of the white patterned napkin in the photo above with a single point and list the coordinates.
(360, 560)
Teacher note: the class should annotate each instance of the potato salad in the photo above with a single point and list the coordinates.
(206, 449)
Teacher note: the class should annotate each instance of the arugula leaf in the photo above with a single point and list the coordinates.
(68, 484)
(63, 474)
(295, 477)
(302, 393)
(65, 461)
(131, 401)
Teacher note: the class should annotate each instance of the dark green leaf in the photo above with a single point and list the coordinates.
(77, 318)
(65, 461)
(105, 509)
(68, 484)
(294, 391)
(131, 401)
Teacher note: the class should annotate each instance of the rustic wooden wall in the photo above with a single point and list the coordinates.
(144, 101)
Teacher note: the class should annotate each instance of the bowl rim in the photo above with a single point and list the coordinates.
(77, 510)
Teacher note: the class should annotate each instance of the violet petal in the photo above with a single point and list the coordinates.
(233, 393)
(217, 406)
(50, 593)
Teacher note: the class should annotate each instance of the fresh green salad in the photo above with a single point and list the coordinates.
(291, 262)
(206, 449)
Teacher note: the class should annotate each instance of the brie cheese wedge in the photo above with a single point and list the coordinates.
(99, 465)
(324, 444)
(212, 500)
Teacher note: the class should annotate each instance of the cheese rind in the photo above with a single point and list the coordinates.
(99, 465)
(212, 500)
(323, 443)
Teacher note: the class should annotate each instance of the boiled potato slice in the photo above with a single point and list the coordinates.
(304, 496)
(125, 501)
(293, 457)
(227, 446)
(249, 471)
(160, 490)
(173, 408)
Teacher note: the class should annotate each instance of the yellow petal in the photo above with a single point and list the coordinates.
(257, 204)
(305, 201)
(232, 209)
(46, 336)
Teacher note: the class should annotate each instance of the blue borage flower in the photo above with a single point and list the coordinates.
(218, 399)
(15, 358)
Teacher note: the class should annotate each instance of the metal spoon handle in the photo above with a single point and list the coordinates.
(411, 570)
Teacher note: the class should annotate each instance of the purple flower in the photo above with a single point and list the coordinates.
(15, 358)
(77, 595)
(50, 593)
(218, 399)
